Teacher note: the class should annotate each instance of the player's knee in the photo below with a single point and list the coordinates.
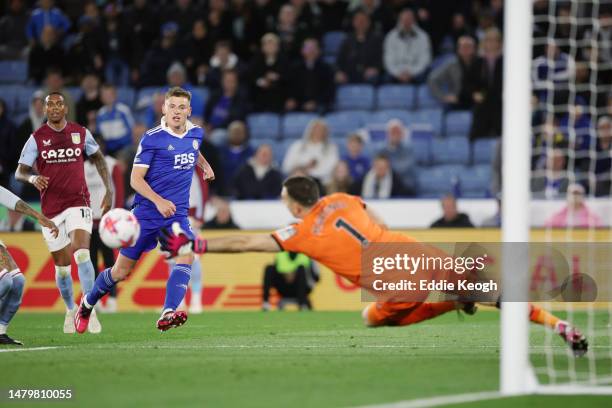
(120, 273)
(18, 282)
(62, 271)
(81, 255)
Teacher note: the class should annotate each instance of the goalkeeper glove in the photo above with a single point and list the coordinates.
(175, 242)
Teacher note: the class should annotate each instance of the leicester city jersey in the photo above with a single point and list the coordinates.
(171, 159)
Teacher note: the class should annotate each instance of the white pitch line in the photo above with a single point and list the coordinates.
(442, 400)
(13, 350)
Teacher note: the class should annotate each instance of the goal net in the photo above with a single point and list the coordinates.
(570, 174)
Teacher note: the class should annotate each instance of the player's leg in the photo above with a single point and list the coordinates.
(108, 256)
(403, 314)
(195, 305)
(12, 283)
(63, 280)
(177, 284)
(79, 224)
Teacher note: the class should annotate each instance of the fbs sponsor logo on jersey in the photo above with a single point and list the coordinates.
(76, 138)
(184, 161)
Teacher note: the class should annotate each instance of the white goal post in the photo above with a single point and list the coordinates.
(517, 376)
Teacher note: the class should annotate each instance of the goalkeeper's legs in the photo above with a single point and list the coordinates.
(404, 314)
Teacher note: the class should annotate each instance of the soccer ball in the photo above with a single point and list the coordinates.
(119, 228)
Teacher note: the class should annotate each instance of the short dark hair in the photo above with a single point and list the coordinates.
(304, 190)
(55, 93)
(178, 92)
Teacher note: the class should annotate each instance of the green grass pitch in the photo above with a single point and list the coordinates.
(254, 359)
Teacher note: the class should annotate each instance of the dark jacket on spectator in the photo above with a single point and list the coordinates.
(236, 111)
(487, 119)
(248, 187)
(272, 98)
(460, 221)
(356, 56)
(312, 83)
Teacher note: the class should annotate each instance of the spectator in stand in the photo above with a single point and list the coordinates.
(341, 181)
(382, 182)
(258, 179)
(360, 56)
(226, 105)
(448, 82)
(153, 114)
(223, 217)
(332, 15)
(552, 181)
(182, 12)
(314, 153)
(235, 154)
(358, 163)
(407, 50)
(268, 76)
(554, 66)
(223, 60)
(603, 164)
(118, 47)
(86, 51)
(54, 82)
(487, 94)
(262, 21)
(576, 213)
(7, 138)
(115, 123)
(311, 84)
(13, 40)
(197, 50)
(96, 188)
(290, 31)
(459, 28)
(177, 76)
(46, 15)
(219, 21)
(47, 52)
(451, 217)
(380, 15)
(142, 23)
(158, 59)
(90, 103)
(399, 152)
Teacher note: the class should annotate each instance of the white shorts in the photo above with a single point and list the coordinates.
(70, 219)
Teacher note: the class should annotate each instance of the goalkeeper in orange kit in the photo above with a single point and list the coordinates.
(333, 230)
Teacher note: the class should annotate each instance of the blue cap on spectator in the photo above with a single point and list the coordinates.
(169, 28)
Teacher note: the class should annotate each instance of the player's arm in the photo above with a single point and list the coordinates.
(376, 217)
(98, 160)
(175, 242)
(209, 174)
(24, 169)
(140, 185)
(12, 202)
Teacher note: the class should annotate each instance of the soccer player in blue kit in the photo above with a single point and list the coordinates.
(161, 176)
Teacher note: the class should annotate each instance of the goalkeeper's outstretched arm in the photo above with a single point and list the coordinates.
(240, 243)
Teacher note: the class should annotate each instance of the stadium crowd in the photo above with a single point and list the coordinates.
(385, 99)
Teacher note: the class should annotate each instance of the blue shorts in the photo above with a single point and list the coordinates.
(149, 231)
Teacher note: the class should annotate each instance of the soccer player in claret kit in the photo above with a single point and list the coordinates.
(332, 230)
(58, 150)
(161, 176)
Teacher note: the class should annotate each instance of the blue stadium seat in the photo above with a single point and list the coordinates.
(126, 95)
(452, 150)
(421, 148)
(145, 97)
(344, 122)
(355, 97)
(8, 93)
(13, 72)
(436, 181)
(458, 123)
(332, 41)
(293, 124)
(75, 92)
(483, 150)
(428, 119)
(23, 99)
(395, 97)
(425, 100)
(475, 181)
(264, 125)
(383, 116)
